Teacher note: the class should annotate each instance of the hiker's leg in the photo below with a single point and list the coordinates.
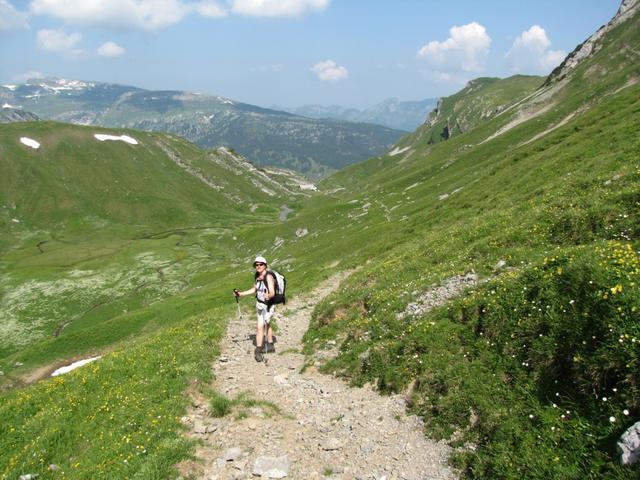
(259, 334)
(260, 327)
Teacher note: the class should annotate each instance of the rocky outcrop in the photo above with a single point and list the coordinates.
(438, 295)
(434, 116)
(627, 9)
(11, 115)
(629, 445)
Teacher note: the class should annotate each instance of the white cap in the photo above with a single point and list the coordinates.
(260, 259)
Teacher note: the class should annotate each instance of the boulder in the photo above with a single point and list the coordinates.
(629, 445)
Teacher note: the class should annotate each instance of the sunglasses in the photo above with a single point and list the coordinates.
(258, 264)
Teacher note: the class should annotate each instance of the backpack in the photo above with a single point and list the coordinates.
(279, 286)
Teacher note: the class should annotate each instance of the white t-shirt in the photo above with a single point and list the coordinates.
(262, 289)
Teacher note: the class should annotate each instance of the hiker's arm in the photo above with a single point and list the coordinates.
(244, 293)
(271, 288)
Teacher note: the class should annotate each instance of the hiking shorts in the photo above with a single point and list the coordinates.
(264, 314)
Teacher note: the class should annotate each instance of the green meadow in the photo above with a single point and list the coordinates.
(532, 372)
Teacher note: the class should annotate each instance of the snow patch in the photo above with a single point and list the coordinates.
(122, 138)
(29, 142)
(73, 366)
(6, 105)
(60, 85)
(11, 87)
(308, 186)
(398, 151)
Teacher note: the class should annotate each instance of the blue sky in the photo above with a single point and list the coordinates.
(290, 53)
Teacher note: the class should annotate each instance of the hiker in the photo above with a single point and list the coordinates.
(264, 290)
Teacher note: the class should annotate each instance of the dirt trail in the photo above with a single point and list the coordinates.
(325, 429)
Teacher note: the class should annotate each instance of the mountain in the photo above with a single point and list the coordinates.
(266, 137)
(392, 113)
(493, 282)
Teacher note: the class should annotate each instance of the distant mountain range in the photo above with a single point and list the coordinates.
(314, 147)
(391, 113)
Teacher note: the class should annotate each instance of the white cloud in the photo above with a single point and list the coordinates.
(329, 71)
(277, 8)
(10, 18)
(58, 41)
(110, 49)
(530, 52)
(123, 14)
(156, 14)
(466, 49)
(210, 9)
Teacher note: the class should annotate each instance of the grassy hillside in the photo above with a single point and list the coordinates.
(72, 177)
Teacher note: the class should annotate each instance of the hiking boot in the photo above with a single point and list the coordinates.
(258, 354)
(271, 348)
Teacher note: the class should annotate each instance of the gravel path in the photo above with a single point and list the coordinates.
(323, 429)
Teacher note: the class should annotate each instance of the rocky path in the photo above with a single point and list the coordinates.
(322, 428)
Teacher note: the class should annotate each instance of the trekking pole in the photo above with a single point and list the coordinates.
(265, 343)
(237, 295)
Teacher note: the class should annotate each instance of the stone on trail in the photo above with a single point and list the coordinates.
(240, 465)
(232, 454)
(332, 444)
(203, 428)
(271, 467)
(281, 379)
